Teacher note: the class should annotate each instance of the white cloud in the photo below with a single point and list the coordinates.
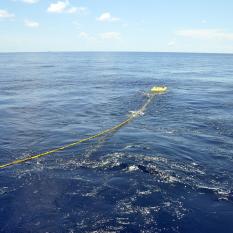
(58, 7)
(107, 17)
(6, 14)
(171, 43)
(110, 35)
(206, 34)
(83, 34)
(86, 36)
(30, 1)
(72, 10)
(82, 9)
(31, 24)
(65, 7)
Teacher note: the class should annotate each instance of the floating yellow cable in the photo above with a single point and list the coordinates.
(154, 91)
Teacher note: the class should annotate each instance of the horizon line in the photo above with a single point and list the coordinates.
(115, 51)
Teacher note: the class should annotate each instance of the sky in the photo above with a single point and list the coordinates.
(116, 25)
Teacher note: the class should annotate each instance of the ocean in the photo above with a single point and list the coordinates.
(168, 170)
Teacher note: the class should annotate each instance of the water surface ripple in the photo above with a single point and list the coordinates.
(169, 170)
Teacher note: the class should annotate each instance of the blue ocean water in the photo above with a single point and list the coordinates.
(170, 170)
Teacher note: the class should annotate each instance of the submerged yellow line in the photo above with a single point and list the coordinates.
(154, 91)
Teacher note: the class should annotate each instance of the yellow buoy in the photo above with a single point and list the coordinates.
(158, 89)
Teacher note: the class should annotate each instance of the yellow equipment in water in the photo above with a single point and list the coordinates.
(158, 89)
(154, 91)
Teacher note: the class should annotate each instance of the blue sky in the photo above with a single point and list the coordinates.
(116, 25)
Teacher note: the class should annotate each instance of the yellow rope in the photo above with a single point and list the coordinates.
(18, 161)
(131, 117)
